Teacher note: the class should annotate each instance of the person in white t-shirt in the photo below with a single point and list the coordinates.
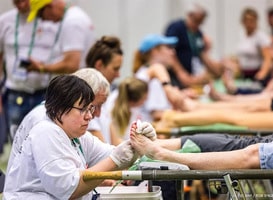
(253, 60)
(19, 41)
(96, 81)
(75, 35)
(154, 55)
(52, 159)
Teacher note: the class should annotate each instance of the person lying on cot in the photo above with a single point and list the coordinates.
(254, 156)
(253, 120)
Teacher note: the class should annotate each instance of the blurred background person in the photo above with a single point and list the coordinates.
(125, 105)
(106, 56)
(19, 41)
(192, 46)
(154, 53)
(253, 60)
(74, 38)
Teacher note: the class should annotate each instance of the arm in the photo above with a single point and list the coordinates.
(173, 94)
(86, 186)
(69, 64)
(185, 78)
(214, 67)
(266, 65)
(121, 157)
(240, 159)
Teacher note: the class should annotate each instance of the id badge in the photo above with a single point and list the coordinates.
(19, 72)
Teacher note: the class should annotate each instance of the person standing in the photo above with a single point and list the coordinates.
(75, 35)
(20, 40)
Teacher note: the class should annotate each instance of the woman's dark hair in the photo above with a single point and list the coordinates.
(62, 93)
(103, 50)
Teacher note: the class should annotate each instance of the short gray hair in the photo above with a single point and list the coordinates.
(95, 79)
(195, 8)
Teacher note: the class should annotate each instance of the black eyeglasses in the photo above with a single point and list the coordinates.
(84, 111)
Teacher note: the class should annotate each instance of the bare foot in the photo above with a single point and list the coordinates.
(229, 81)
(144, 146)
(214, 94)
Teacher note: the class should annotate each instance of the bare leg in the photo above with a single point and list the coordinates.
(254, 120)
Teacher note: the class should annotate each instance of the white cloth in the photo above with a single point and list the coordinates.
(47, 165)
(249, 49)
(77, 34)
(18, 78)
(157, 99)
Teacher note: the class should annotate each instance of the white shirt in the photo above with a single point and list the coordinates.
(47, 165)
(77, 34)
(36, 115)
(249, 50)
(157, 99)
(18, 78)
(102, 124)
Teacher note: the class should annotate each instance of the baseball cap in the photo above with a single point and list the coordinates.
(153, 40)
(35, 6)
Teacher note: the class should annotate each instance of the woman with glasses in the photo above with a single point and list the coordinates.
(58, 149)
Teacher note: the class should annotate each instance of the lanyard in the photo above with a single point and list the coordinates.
(16, 46)
(58, 34)
(76, 143)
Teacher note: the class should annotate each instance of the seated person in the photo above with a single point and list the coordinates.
(70, 150)
(106, 56)
(192, 46)
(253, 60)
(124, 106)
(93, 77)
(150, 62)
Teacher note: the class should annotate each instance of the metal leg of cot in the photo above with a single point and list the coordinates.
(230, 185)
(268, 186)
(180, 190)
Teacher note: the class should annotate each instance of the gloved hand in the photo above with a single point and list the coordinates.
(124, 155)
(146, 129)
